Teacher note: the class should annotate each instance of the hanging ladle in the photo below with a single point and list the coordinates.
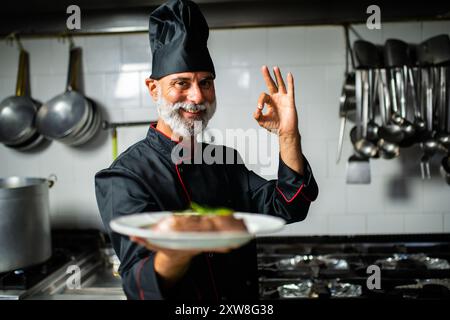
(363, 146)
(389, 131)
(387, 149)
(396, 59)
(443, 136)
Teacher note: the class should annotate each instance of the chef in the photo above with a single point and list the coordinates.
(147, 177)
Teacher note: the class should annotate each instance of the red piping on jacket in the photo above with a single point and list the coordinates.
(153, 125)
(295, 195)
(182, 183)
(138, 279)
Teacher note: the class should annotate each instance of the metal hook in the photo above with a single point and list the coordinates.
(66, 36)
(14, 37)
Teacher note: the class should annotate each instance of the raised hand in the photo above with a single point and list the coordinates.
(281, 115)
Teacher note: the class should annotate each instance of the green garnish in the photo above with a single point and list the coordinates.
(205, 210)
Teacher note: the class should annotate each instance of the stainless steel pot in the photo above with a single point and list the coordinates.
(24, 222)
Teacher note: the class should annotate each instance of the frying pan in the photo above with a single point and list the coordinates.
(90, 130)
(17, 113)
(66, 114)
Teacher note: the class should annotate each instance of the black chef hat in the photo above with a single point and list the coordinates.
(178, 36)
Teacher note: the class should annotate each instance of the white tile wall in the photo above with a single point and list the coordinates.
(349, 224)
(9, 61)
(417, 223)
(385, 224)
(250, 53)
(103, 53)
(447, 222)
(115, 68)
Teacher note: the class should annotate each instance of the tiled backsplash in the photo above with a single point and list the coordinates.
(397, 200)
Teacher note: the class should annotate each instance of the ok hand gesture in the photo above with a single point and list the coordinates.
(281, 115)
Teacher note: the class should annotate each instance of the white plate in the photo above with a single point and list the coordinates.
(132, 225)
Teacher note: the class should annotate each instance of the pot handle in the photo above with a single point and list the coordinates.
(52, 180)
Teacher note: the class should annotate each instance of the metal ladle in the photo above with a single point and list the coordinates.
(443, 136)
(430, 146)
(389, 131)
(387, 149)
(419, 122)
(407, 126)
(372, 126)
(363, 146)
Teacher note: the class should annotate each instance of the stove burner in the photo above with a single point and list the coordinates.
(26, 278)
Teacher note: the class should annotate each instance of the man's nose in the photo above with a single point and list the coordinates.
(195, 94)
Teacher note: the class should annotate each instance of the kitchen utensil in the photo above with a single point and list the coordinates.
(372, 126)
(17, 113)
(358, 170)
(69, 117)
(420, 131)
(363, 146)
(347, 99)
(346, 106)
(443, 135)
(429, 146)
(365, 53)
(25, 222)
(435, 50)
(389, 131)
(386, 149)
(358, 167)
(396, 57)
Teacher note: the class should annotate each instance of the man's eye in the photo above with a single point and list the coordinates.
(205, 84)
(182, 84)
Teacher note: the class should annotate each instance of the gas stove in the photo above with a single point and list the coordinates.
(289, 268)
(409, 267)
(82, 266)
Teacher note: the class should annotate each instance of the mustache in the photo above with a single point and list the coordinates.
(192, 107)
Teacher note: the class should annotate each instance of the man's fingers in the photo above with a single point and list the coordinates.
(263, 99)
(271, 85)
(257, 114)
(280, 81)
(290, 83)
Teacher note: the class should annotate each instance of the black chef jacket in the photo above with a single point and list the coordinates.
(144, 178)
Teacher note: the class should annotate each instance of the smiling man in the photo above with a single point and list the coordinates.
(145, 178)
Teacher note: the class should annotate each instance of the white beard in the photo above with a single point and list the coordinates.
(170, 114)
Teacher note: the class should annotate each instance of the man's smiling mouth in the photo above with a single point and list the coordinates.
(192, 110)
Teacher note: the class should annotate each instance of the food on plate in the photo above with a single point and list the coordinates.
(201, 219)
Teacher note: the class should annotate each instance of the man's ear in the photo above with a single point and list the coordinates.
(152, 86)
